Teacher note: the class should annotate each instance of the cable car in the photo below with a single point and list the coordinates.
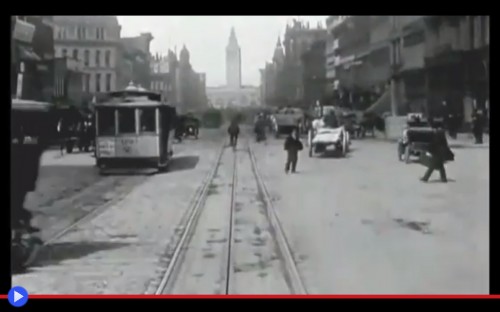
(134, 130)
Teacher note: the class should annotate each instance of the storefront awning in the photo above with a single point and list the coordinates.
(382, 105)
(26, 53)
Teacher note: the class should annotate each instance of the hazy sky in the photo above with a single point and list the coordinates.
(206, 38)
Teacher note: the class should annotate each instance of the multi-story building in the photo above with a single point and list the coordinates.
(32, 57)
(299, 37)
(134, 58)
(416, 63)
(160, 75)
(95, 41)
(314, 73)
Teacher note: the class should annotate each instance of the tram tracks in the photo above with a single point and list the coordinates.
(232, 242)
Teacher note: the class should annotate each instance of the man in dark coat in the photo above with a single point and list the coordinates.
(292, 146)
(478, 126)
(439, 154)
(233, 131)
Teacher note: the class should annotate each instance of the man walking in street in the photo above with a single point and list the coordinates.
(234, 131)
(292, 146)
(439, 154)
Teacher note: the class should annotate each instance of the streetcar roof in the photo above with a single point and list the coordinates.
(132, 104)
(29, 105)
(133, 98)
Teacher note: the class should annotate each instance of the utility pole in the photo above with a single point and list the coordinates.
(395, 53)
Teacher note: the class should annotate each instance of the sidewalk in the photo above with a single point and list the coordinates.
(462, 140)
(467, 140)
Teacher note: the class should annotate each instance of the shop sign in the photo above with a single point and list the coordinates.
(23, 31)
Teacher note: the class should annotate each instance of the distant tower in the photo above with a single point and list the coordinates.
(279, 54)
(233, 62)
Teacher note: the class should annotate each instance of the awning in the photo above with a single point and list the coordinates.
(382, 105)
(26, 53)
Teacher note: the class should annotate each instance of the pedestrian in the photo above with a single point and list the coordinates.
(233, 131)
(437, 154)
(292, 147)
(477, 126)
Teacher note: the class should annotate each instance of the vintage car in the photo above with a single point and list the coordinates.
(415, 139)
(190, 126)
(287, 120)
(325, 139)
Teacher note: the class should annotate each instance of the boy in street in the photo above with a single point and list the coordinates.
(292, 146)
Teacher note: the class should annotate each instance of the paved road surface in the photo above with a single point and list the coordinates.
(120, 250)
(363, 224)
(366, 224)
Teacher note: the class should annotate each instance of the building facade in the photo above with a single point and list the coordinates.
(160, 78)
(233, 94)
(428, 64)
(134, 60)
(314, 73)
(295, 67)
(95, 41)
(189, 89)
(32, 57)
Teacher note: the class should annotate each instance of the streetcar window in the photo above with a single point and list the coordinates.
(106, 121)
(147, 117)
(126, 123)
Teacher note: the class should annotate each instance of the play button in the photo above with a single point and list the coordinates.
(18, 296)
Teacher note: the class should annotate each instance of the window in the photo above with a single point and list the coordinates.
(108, 82)
(87, 82)
(107, 59)
(86, 57)
(75, 54)
(147, 117)
(64, 53)
(80, 32)
(97, 58)
(97, 82)
(106, 121)
(126, 122)
(99, 33)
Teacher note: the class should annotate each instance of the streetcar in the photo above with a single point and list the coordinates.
(134, 131)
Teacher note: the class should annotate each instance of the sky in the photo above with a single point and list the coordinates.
(206, 38)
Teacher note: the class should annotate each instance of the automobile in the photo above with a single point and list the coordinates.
(415, 139)
(327, 139)
(191, 126)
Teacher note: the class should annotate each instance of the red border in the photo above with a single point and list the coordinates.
(260, 297)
